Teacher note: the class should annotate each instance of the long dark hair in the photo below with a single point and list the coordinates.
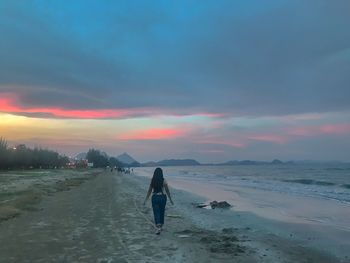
(157, 180)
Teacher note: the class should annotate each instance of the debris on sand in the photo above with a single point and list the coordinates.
(174, 216)
(199, 205)
(213, 205)
(184, 236)
(220, 204)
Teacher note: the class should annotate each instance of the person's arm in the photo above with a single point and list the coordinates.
(148, 194)
(168, 192)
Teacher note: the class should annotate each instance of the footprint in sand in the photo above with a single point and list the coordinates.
(135, 247)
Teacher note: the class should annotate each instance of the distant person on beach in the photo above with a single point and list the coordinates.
(158, 185)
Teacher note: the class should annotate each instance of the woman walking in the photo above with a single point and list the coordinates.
(158, 185)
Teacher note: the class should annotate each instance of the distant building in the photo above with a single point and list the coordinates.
(75, 163)
(71, 165)
(20, 147)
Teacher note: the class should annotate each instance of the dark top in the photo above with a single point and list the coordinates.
(159, 189)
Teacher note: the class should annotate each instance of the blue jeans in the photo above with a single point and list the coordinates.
(158, 205)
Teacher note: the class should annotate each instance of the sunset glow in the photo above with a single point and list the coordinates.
(7, 105)
(153, 134)
(171, 80)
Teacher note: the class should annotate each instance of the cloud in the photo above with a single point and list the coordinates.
(325, 129)
(269, 138)
(220, 141)
(7, 105)
(153, 134)
(226, 78)
(227, 57)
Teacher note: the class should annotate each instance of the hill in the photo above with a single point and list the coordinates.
(173, 162)
(250, 162)
(127, 159)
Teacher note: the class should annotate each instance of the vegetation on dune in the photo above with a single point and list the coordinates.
(22, 157)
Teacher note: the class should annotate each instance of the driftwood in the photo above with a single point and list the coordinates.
(213, 205)
(199, 205)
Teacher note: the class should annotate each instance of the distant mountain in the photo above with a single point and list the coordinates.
(149, 164)
(230, 163)
(178, 162)
(276, 161)
(250, 162)
(244, 162)
(80, 156)
(173, 162)
(127, 159)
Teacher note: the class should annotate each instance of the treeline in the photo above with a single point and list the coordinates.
(102, 160)
(21, 157)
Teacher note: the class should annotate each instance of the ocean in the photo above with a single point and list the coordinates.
(294, 193)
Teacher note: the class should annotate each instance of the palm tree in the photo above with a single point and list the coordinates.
(3, 153)
(3, 144)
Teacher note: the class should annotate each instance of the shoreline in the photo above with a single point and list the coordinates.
(329, 242)
(103, 220)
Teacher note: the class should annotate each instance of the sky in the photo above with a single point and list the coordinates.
(209, 80)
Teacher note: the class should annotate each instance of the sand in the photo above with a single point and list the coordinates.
(100, 218)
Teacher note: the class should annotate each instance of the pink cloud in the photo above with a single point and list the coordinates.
(301, 131)
(335, 129)
(6, 105)
(304, 131)
(210, 115)
(153, 134)
(221, 142)
(9, 104)
(269, 138)
(303, 117)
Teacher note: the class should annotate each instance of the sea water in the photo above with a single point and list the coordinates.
(296, 193)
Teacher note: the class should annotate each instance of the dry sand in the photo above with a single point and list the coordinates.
(103, 220)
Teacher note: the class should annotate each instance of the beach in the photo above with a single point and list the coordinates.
(98, 216)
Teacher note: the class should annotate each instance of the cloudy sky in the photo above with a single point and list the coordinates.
(210, 80)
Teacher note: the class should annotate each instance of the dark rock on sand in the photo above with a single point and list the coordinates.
(221, 204)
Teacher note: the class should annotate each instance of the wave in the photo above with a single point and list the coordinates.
(337, 169)
(347, 186)
(310, 181)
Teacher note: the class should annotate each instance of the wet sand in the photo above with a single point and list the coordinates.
(101, 219)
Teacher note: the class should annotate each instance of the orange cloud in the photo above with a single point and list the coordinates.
(7, 105)
(153, 134)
